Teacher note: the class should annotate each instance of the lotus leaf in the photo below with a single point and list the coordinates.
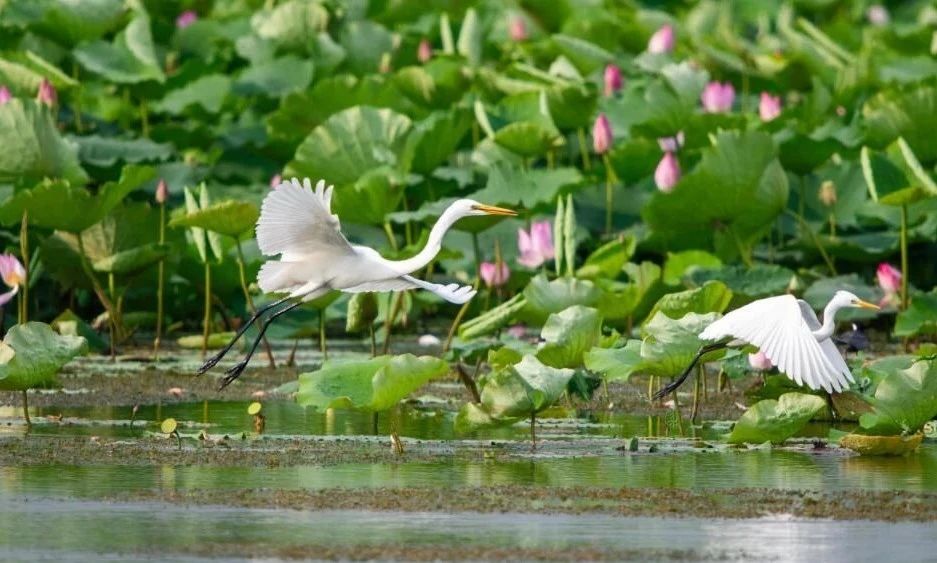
(671, 344)
(290, 24)
(131, 58)
(33, 149)
(903, 401)
(907, 112)
(568, 335)
(230, 218)
(776, 421)
(920, 318)
(545, 297)
(681, 264)
(108, 151)
(616, 364)
(275, 77)
(208, 92)
(712, 296)
(371, 385)
(524, 388)
(32, 354)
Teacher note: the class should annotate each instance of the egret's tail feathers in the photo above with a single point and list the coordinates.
(274, 276)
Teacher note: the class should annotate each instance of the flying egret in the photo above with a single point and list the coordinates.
(789, 333)
(297, 223)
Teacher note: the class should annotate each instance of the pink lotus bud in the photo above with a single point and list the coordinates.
(671, 144)
(601, 134)
(769, 107)
(518, 28)
(5, 95)
(613, 82)
(518, 331)
(718, 97)
(13, 274)
(662, 41)
(47, 94)
(275, 181)
(878, 15)
(186, 18)
(827, 194)
(425, 51)
(759, 361)
(667, 173)
(889, 278)
(536, 247)
(492, 275)
(162, 192)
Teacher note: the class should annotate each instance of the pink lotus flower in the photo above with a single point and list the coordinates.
(769, 107)
(718, 97)
(878, 15)
(425, 51)
(13, 275)
(536, 247)
(667, 173)
(47, 94)
(671, 144)
(162, 191)
(518, 29)
(662, 41)
(492, 275)
(5, 95)
(889, 278)
(759, 361)
(612, 79)
(186, 18)
(275, 181)
(601, 134)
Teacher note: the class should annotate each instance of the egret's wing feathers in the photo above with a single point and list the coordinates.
(454, 293)
(778, 328)
(829, 347)
(297, 222)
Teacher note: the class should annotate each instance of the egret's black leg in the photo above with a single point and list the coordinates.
(239, 368)
(672, 386)
(213, 361)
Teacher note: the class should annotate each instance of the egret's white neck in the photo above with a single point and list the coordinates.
(829, 321)
(433, 245)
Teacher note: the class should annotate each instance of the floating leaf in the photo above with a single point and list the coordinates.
(31, 355)
(776, 421)
(371, 385)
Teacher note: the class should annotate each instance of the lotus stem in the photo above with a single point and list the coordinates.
(160, 283)
(322, 348)
(24, 252)
(609, 194)
(86, 266)
(373, 340)
(816, 242)
(584, 149)
(456, 322)
(533, 431)
(904, 257)
(696, 393)
(110, 315)
(26, 410)
(389, 231)
(144, 119)
(250, 300)
(206, 320)
(391, 317)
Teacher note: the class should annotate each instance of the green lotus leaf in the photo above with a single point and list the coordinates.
(679, 265)
(362, 312)
(730, 198)
(437, 84)
(56, 205)
(472, 417)
(230, 218)
(108, 151)
(365, 43)
(434, 139)
(904, 400)
(920, 318)
(129, 59)
(568, 335)
(351, 143)
(32, 354)
(70, 324)
(748, 284)
(528, 188)
(671, 344)
(616, 364)
(203, 239)
(33, 149)
(571, 105)
(207, 92)
(587, 56)
(275, 77)
(23, 77)
(216, 340)
(712, 296)
(67, 22)
(621, 301)
(132, 260)
(290, 24)
(528, 138)
(545, 297)
(372, 385)
(776, 421)
(371, 197)
(524, 388)
(607, 260)
(909, 112)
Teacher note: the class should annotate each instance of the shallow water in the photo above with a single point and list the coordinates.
(85, 531)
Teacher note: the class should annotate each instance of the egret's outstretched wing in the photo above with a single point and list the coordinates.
(297, 222)
(777, 327)
(828, 346)
(453, 293)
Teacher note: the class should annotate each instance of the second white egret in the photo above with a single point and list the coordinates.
(296, 223)
(789, 334)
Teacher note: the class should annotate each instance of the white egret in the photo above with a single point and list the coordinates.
(789, 333)
(297, 223)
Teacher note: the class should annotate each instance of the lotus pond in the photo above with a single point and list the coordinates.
(669, 163)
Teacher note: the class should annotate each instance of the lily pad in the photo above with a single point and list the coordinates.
(32, 354)
(371, 385)
(882, 445)
(776, 421)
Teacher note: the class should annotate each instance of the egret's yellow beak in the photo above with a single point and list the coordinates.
(492, 210)
(866, 305)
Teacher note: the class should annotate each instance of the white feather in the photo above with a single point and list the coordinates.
(454, 293)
